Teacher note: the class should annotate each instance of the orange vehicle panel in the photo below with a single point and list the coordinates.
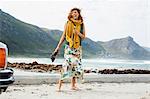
(2, 57)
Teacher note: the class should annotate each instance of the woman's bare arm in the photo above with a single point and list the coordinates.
(61, 40)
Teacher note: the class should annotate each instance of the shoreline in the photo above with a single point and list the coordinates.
(36, 67)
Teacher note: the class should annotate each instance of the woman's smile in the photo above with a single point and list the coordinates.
(75, 14)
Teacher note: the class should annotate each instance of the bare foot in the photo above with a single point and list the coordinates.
(75, 88)
(58, 90)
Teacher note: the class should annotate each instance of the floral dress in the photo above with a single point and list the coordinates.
(72, 66)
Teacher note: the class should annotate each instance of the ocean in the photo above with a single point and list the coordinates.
(92, 63)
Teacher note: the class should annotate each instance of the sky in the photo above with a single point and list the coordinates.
(104, 19)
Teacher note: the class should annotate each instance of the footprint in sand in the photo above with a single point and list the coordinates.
(88, 88)
(17, 89)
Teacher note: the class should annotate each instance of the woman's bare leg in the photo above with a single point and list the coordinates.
(73, 83)
(59, 85)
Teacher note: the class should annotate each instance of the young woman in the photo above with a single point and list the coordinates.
(74, 33)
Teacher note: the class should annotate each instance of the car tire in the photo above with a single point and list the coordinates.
(4, 89)
(0, 90)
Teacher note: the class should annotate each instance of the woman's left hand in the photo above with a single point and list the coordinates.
(80, 34)
(77, 32)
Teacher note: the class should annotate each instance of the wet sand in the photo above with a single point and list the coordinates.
(25, 77)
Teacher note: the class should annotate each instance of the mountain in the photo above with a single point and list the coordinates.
(23, 38)
(147, 48)
(90, 47)
(125, 48)
(27, 40)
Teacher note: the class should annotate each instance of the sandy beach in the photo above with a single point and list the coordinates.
(104, 86)
(87, 91)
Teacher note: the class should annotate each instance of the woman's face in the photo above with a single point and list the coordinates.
(75, 14)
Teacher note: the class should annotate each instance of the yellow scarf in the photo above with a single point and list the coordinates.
(71, 37)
